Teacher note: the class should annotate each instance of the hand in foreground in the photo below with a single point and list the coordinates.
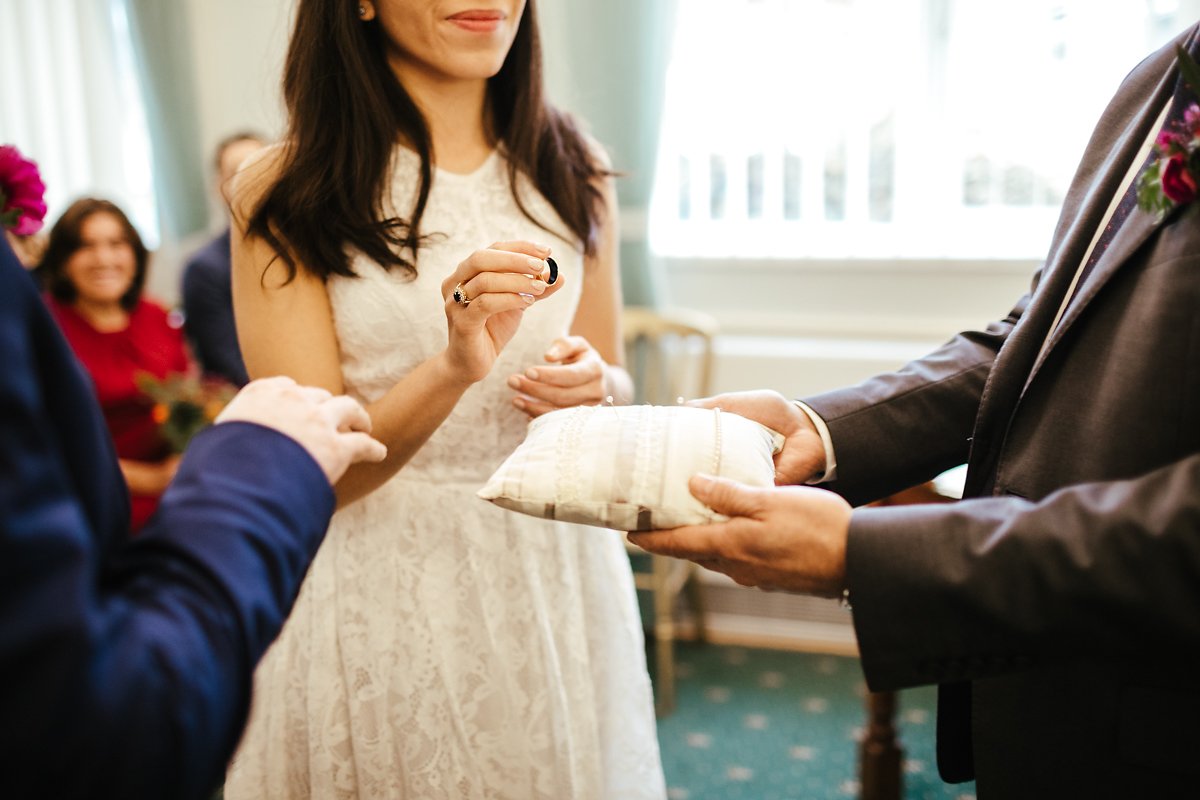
(803, 454)
(485, 299)
(786, 538)
(572, 376)
(334, 430)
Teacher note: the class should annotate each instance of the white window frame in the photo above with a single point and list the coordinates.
(1016, 86)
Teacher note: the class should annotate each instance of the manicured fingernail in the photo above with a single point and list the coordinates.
(553, 270)
(541, 246)
(536, 267)
(519, 402)
(531, 373)
(528, 298)
(539, 286)
(514, 382)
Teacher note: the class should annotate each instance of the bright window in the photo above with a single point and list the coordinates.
(885, 128)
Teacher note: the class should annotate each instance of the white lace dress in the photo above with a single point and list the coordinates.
(442, 647)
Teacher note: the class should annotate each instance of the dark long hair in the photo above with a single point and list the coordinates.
(66, 238)
(347, 113)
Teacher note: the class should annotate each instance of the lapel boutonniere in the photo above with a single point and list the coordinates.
(1173, 177)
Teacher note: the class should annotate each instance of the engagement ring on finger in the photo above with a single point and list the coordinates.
(460, 296)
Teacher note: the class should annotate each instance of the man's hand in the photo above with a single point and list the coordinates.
(803, 454)
(334, 430)
(786, 538)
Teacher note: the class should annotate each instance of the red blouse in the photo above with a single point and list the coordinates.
(113, 358)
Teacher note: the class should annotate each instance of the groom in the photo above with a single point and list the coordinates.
(125, 665)
(1059, 606)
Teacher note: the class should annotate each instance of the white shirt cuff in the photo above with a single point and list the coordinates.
(830, 472)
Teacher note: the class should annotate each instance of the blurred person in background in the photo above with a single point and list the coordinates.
(207, 298)
(93, 273)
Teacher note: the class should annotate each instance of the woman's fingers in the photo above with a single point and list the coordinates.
(492, 303)
(519, 257)
(532, 406)
(520, 246)
(506, 268)
(567, 349)
(574, 394)
(574, 376)
(566, 375)
(502, 283)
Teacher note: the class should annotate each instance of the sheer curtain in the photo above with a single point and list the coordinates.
(69, 99)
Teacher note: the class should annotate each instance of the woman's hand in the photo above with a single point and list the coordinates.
(485, 299)
(574, 375)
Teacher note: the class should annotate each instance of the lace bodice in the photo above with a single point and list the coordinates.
(388, 323)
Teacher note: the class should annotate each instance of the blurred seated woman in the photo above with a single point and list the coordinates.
(94, 269)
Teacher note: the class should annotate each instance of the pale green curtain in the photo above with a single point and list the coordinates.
(606, 62)
(162, 54)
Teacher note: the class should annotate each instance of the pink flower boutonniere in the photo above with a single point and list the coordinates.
(1173, 177)
(22, 208)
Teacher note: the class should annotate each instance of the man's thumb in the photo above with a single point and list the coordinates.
(724, 496)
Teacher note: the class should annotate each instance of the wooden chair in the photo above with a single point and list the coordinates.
(669, 354)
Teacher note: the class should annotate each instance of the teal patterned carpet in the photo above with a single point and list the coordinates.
(752, 724)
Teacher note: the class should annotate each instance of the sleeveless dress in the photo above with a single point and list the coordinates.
(442, 647)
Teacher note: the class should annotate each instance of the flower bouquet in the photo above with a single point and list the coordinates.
(22, 208)
(1173, 175)
(184, 405)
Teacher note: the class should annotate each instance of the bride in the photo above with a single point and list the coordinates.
(440, 647)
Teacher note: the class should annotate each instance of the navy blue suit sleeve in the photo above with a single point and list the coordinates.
(126, 665)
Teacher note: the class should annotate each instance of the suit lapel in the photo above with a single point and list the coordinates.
(1136, 230)
(1105, 163)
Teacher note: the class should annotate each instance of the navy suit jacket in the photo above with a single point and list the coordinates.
(125, 665)
(208, 311)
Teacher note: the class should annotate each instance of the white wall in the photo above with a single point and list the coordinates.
(238, 48)
(802, 327)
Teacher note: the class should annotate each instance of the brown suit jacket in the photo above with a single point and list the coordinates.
(1059, 606)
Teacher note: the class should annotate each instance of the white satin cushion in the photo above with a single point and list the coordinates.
(627, 467)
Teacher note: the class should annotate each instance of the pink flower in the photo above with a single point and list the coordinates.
(1177, 183)
(1191, 118)
(21, 191)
